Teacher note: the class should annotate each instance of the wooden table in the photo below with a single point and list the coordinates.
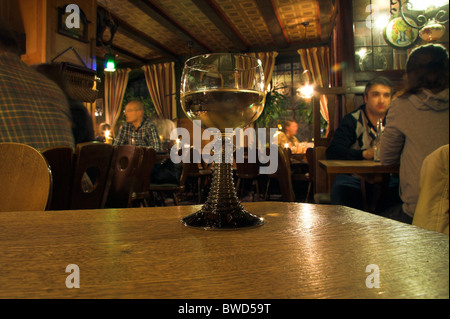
(357, 167)
(302, 251)
(368, 171)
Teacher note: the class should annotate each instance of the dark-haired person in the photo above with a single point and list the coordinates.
(418, 122)
(82, 125)
(33, 109)
(353, 140)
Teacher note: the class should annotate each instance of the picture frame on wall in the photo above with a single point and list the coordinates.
(65, 26)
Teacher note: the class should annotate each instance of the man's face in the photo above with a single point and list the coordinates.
(378, 99)
(132, 113)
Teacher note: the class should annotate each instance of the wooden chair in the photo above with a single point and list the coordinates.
(126, 168)
(174, 189)
(92, 175)
(141, 191)
(284, 177)
(310, 175)
(321, 180)
(26, 180)
(248, 171)
(60, 159)
(200, 172)
(432, 210)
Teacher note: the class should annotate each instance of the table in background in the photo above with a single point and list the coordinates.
(368, 171)
(303, 251)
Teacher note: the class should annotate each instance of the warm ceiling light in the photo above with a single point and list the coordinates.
(306, 91)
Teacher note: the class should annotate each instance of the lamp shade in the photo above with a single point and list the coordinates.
(110, 62)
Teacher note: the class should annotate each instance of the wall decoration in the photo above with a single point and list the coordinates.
(373, 61)
(400, 35)
(75, 14)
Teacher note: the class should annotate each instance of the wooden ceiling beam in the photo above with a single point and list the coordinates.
(211, 12)
(130, 32)
(271, 19)
(327, 18)
(128, 55)
(141, 39)
(153, 12)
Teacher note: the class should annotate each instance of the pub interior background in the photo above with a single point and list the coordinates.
(338, 46)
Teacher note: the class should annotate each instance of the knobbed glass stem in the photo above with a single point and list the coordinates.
(222, 209)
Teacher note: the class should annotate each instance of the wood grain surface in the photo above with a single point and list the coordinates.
(302, 251)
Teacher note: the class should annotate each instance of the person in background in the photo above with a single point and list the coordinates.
(353, 140)
(34, 110)
(164, 128)
(138, 130)
(417, 123)
(82, 125)
(288, 136)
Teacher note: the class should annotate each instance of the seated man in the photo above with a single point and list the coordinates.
(140, 131)
(353, 140)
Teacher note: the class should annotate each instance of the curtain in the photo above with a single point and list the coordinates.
(160, 79)
(115, 85)
(268, 63)
(317, 61)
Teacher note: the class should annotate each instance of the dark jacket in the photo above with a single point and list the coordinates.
(354, 134)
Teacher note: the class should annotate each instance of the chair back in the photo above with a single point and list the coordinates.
(191, 168)
(26, 180)
(246, 169)
(320, 175)
(309, 154)
(60, 160)
(143, 175)
(125, 168)
(432, 209)
(92, 175)
(284, 176)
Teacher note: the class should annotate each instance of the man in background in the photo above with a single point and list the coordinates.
(138, 130)
(354, 139)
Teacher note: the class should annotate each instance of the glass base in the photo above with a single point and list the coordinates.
(223, 210)
(235, 219)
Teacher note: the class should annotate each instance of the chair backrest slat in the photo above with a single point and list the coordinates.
(128, 160)
(25, 178)
(60, 159)
(92, 175)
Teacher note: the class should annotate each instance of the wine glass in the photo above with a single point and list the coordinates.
(223, 90)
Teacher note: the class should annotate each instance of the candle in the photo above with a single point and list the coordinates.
(286, 145)
(108, 138)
